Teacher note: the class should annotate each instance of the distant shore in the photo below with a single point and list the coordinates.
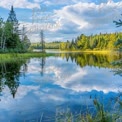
(86, 51)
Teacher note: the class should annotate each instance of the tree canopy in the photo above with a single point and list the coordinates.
(93, 42)
(10, 40)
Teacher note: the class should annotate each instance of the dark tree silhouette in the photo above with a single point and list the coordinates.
(42, 40)
(118, 23)
(9, 75)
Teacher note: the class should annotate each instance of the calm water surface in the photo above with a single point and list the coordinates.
(38, 88)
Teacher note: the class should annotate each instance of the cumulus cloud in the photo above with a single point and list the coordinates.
(18, 4)
(73, 19)
(89, 17)
(49, 28)
(70, 18)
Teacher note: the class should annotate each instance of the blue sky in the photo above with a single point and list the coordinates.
(65, 19)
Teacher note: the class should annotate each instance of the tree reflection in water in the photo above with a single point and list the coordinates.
(90, 59)
(10, 71)
(42, 64)
(118, 71)
(9, 75)
(113, 61)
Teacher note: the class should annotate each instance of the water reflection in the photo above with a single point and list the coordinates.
(113, 61)
(10, 72)
(90, 59)
(42, 63)
(44, 85)
(118, 70)
(9, 75)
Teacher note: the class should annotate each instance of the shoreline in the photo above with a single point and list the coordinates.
(52, 53)
(4, 57)
(90, 51)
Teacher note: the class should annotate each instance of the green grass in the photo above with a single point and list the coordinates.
(20, 56)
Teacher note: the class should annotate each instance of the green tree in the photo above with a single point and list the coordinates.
(26, 43)
(9, 37)
(119, 42)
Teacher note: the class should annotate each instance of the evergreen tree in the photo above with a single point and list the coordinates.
(9, 37)
(13, 20)
(119, 42)
(94, 42)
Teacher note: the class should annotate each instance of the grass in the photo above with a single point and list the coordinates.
(19, 56)
(101, 115)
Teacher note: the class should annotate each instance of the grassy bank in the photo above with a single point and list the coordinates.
(20, 56)
(16, 56)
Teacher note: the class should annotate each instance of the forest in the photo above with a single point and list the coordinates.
(47, 45)
(96, 42)
(12, 39)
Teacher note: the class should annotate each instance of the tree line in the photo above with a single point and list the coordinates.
(48, 45)
(100, 41)
(10, 35)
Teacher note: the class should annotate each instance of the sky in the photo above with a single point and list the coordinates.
(65, 19)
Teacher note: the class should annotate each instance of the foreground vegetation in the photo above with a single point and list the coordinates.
(119, 65)
(101, 115)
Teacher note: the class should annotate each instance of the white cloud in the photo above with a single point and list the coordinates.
(33, 30)
(75, 17)
(89, 17)
(18, 4)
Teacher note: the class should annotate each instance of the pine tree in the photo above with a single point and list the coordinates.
(13, 20)
(119, 41)
(11, 31)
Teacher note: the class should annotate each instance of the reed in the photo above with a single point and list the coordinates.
(101, 115)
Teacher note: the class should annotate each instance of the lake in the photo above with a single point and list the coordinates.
(40, 89)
